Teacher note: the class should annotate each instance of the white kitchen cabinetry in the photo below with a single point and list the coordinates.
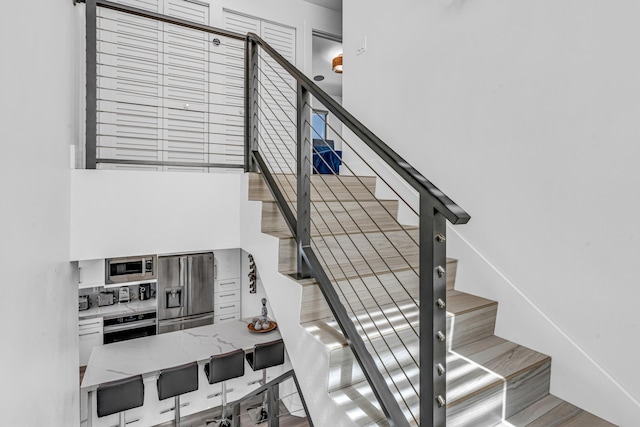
(90, 333)
(90, 273)
(227, 264)
(226, 296)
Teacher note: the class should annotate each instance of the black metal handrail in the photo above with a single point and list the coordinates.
(435, 209)
(454, 213)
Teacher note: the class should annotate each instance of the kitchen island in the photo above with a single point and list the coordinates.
(149, 355)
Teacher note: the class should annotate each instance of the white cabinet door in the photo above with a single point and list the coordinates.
(227, 264)
(90, 334)
(91, 273)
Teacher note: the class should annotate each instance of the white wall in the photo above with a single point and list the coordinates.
(39, 338)
(308, 356)
(526, 114)
(120, 213)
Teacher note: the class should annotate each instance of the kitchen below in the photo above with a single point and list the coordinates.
(138, 296)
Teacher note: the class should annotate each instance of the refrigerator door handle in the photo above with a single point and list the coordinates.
(189, 285)
(185, 285)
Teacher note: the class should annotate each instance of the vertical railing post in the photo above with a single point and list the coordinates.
(235, 415)
(303, 174)
(433, 316)
(251, 106)
(273, 396)
(91, 85)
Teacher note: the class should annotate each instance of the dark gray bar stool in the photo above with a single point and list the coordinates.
(118, 396)
(264, 356)
(223, 367)
(173, 382)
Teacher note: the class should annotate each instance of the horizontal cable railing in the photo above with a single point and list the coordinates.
(366, 263)
(163, 93)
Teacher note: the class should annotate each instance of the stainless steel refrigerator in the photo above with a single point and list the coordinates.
(185, 291)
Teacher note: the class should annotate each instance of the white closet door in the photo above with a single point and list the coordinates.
(185, 78)
(277, 95)
(152, 5)
(129, 55)
(226, 85)
(190, 10)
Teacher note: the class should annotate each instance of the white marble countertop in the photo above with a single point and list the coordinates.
(149, 355)
(119, 309)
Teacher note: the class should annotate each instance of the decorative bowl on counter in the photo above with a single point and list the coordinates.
(271, 327)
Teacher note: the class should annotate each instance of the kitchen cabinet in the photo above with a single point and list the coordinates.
(90, 334)
(226, 300)
(90, 273)
(227, 263)
(226, 287)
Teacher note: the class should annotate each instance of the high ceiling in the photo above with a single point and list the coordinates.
(331, 4)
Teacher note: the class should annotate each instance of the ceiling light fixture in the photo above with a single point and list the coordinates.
(336, 64)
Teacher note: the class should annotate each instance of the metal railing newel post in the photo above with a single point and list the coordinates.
(273, 395)
(252, 108)
(91, 84)
(433, 316)
(303, 175)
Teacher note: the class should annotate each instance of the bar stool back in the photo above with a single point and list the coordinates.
(265, 356)
(120, 395)
(173, 382)
(221, 368)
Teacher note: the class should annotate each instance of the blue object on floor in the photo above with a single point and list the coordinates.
(326, 160)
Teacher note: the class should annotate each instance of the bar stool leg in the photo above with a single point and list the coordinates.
(177, 410)
(123, 421)
(224, 422)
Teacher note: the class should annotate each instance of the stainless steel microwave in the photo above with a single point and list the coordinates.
(130, 269)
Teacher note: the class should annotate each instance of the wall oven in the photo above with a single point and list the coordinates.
(127, 327)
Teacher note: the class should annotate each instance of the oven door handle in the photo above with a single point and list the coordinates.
(130, 325)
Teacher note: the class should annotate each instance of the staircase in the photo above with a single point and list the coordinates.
(372, 262)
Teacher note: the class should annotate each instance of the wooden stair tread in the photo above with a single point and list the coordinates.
(404, 312)
(323, 187)
(551, 411)
(466, 378)
(501, 356)
(476, 374)
(391, 317)
(358, 254)
(461, 302)
(337, 217)
(373, 261)
(535, 410)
